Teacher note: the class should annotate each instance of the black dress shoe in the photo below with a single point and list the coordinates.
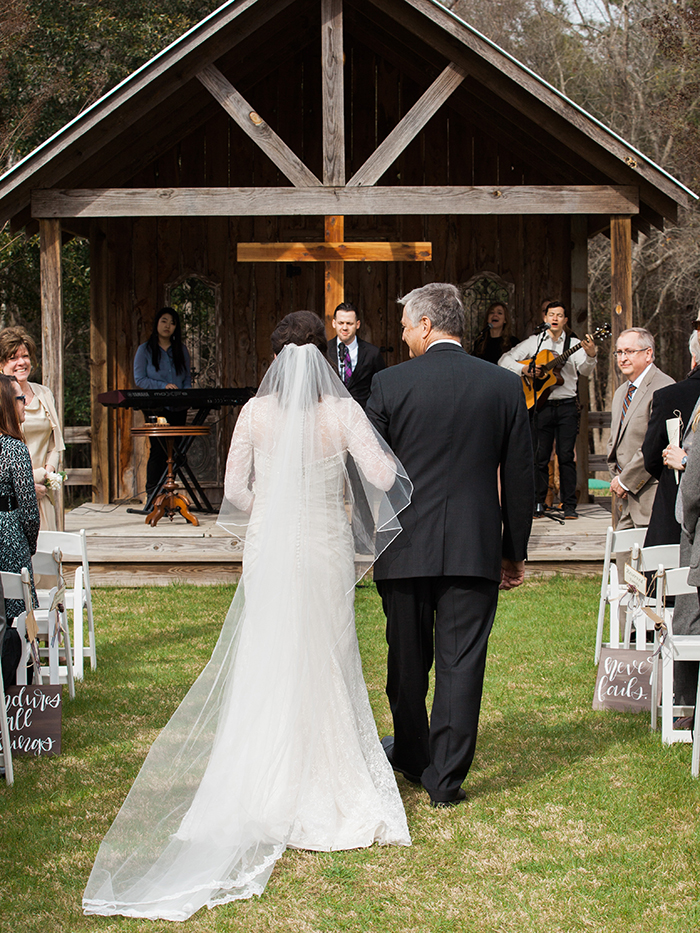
(388, 746)
(443, 804)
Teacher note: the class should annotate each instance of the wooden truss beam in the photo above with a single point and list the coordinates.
(238, 108)
(333, 92)
(409, 126)
(395, 200)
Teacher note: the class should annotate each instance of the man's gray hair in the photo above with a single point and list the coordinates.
(440, 303)
(644, 338)
(694, 346)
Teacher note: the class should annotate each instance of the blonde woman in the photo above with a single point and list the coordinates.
(42, 431)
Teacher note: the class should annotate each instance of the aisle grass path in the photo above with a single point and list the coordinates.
(575, 820)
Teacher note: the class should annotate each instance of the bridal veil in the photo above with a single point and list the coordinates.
(275, 744)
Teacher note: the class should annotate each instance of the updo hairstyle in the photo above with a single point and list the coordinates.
(299, 327)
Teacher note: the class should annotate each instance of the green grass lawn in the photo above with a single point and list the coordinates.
(575, 820)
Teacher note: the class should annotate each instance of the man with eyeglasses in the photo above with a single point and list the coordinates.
(633, 488)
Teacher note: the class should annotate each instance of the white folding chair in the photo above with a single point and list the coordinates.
(677, 648)
(13, 586)
(52, 623)
(73, 546)
(648, 560)
(613, 591)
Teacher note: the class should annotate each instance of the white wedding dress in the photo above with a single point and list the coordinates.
(275, 744)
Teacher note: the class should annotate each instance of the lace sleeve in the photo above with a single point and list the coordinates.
(377, 464)
(239, 464)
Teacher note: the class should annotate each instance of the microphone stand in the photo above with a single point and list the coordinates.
(540, 508)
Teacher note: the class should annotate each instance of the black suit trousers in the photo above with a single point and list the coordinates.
(455, 614)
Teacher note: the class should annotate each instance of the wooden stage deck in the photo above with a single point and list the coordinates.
(124, 551)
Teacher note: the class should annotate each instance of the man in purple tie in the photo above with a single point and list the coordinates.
(632, 487)
(355, 360)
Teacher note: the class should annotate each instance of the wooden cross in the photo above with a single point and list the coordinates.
(335, 252)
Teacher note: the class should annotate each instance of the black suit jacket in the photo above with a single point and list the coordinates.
(369, 362)
(453, 420)
(663, 527)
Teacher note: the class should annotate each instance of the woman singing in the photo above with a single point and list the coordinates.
(495, 339)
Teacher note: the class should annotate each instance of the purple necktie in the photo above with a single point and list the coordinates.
(346, 370)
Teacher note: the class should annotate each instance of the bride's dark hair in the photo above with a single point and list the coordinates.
(299, 327)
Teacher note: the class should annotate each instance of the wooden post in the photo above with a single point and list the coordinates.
(621, 284)
(333, 142)
(52, 323)
(579, 322)
(333, 92)
(334, 232)
(98, 364)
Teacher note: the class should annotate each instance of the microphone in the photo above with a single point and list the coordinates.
(543, 327)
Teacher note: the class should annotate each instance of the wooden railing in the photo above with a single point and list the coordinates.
(598, 419)
(83, 435)
(78, 476)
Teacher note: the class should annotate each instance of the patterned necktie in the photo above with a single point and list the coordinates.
(632, 388)
(346, 365)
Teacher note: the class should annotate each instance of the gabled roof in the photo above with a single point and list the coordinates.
(103, 146)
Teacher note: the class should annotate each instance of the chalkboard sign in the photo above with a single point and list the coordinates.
(624, 680)
(34, 717)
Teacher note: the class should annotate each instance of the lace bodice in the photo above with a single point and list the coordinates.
(339, 427)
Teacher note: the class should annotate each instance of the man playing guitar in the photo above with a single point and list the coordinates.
(556, 419)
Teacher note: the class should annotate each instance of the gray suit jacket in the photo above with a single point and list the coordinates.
(625, 457)
(690, 496)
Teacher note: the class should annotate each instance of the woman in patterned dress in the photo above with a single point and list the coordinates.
(41, 429)
(19, 513)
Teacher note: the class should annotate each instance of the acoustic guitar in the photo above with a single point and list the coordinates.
(540, 387)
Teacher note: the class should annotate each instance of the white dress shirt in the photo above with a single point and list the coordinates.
(579, 362)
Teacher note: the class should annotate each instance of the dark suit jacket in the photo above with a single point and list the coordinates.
(663, 527)
(452, 420)
(369, 362)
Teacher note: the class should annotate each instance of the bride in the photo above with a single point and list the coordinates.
(275, 745)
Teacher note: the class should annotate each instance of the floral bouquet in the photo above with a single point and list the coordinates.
(54, 481)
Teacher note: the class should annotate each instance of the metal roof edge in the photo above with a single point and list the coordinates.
(132, 77)
(562, 96)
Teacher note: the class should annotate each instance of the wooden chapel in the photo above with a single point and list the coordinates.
(285, 153)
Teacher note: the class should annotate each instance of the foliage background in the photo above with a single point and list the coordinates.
(633, 64)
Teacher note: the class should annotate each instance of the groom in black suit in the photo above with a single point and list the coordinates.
(355, 360)
(452, 420)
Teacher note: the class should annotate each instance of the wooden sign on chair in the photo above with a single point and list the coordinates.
(34, 718)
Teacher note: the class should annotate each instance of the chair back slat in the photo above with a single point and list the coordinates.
(667, 554)
(625, 539)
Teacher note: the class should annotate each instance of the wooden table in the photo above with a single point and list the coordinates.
(171, 499)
